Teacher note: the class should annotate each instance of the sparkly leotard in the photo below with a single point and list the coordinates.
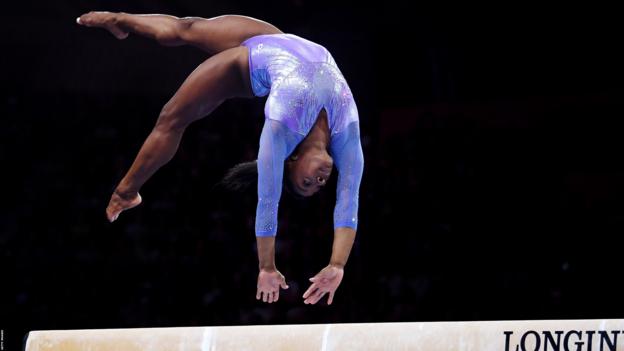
(301, 78)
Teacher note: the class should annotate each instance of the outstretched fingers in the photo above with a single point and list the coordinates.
(315, 297)
(330, 299)
(269, 284)
(318, 289)
(314, 293)
(310, 290)
(267, 296)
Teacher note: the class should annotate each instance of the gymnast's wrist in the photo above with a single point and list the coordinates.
(267, 267)
(336, 264)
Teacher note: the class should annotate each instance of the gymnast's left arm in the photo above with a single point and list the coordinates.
(346, 150)
(276, 143)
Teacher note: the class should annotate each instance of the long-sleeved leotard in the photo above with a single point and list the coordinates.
(301, 78)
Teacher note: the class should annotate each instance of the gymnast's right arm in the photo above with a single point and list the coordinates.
(346, 150)
(276, 143)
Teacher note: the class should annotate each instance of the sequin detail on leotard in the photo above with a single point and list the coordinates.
(301, 78)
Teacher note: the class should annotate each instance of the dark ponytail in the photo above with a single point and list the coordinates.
(240, 177)
(244, 175)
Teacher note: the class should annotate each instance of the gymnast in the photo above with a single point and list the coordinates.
(311, 124)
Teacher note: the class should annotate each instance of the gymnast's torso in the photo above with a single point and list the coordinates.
(301, 78)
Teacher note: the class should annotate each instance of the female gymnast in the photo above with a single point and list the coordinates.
(311, 124)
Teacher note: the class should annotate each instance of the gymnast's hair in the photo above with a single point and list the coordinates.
(245, 174)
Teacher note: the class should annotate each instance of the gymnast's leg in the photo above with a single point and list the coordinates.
(222, 76)
(212, 35)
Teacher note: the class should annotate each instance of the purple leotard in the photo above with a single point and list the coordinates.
(301, 78)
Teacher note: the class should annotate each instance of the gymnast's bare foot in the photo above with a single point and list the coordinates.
(121, 201)
(103, 19)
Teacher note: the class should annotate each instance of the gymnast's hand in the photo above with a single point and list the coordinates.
(326, 281)
(121, 201)
(269, 283)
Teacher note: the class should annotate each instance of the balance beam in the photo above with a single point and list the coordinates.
(573, 335)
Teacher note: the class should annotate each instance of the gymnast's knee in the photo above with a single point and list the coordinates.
(176, 33)
(172, 119)
(184, 28)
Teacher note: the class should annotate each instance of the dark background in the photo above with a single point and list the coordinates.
(492, 188)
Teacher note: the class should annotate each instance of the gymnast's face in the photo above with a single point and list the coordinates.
(309, 171)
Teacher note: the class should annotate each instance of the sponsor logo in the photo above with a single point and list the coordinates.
(564, 340)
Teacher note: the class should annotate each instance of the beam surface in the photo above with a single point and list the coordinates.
(577, 335)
